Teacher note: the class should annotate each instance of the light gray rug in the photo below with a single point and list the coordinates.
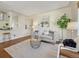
(24, 50)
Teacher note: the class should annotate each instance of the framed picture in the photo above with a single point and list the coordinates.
(45, 21)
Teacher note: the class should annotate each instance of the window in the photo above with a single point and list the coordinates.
(3, 16)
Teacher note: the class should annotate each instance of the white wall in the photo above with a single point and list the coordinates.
(18, 22)
(20, 30)
(19, 26)
(54, 15)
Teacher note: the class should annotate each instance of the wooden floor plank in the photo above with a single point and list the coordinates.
(3, 53)
(69, 54)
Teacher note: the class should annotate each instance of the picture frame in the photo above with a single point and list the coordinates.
(45, 21)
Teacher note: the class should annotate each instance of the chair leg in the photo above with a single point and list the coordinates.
(59, 49)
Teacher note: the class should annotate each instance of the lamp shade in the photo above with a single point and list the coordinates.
(72, 25)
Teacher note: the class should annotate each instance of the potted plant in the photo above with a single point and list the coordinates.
(63, 23)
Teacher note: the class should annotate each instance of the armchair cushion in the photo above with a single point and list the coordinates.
(70, 43)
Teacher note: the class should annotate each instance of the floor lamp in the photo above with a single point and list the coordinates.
(72, 26)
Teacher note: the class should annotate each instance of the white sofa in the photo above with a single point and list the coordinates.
(48, 36)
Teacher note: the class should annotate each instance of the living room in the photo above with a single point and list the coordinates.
(38, 27)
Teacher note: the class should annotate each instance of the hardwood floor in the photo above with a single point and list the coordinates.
(69, 54)
(3, 53)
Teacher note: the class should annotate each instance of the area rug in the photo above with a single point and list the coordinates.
(24, 50)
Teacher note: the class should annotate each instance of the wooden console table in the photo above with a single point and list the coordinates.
(69, 54)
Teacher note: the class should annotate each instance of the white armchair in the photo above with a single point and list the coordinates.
(77, 41)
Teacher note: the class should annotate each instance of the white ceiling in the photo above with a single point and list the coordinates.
(34, 7)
